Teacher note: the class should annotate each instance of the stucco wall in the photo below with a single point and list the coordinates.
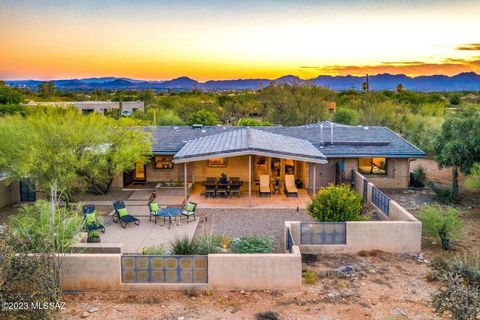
(389, 236)
(398, 175)
(225, 272)
(9, 193)
(175, 174)
(90, 272)
(255, 271)
(236, 167)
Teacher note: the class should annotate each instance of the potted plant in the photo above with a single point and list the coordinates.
(93, 237)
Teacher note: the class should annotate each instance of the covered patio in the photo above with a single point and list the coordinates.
(268, 170)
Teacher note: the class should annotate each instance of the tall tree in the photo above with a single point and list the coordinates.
(65, 150)
(400, 88)
(458, 144)
(46, 89)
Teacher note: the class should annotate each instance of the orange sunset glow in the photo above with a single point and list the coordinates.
(228, 40)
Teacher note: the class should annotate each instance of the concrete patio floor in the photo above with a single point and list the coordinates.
(147, 234)
(275, 201)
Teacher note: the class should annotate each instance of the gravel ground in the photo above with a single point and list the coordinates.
(245, 222)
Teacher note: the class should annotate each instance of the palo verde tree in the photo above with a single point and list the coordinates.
(64, 150)
(458, 144)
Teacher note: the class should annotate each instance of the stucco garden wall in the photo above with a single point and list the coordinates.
(255, 271)
(83, 271)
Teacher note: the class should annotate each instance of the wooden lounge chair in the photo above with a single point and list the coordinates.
(290, 188)
(264, 185)
(121, 214)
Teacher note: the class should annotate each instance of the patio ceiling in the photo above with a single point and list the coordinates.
(249, 141)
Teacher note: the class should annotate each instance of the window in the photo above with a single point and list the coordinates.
(372, 166)
(217, 162)
(163, 162)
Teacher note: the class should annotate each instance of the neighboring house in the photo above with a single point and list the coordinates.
(126, 107)
(317, 154)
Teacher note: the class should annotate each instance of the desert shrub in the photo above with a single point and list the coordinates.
(473, 180)
(183, 246)
(310, 277)
(443, 223)
(443, 195)
(207, 244)
(225, 242)
(253, 244)
(30, 247)
(336, 204)
(32, 231)
(459, 296)
(155, 250)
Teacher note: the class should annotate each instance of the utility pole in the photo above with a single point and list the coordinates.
(368, 85)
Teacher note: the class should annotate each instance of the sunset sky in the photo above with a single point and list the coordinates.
(236, 39)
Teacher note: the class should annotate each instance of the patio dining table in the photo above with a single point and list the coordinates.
(218, 183)
(168, 213)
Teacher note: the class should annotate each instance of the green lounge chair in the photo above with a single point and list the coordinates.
(90, 218)
(189, 210)
(121, 214)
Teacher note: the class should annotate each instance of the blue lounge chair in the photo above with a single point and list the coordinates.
(90, 218)
(121, 214)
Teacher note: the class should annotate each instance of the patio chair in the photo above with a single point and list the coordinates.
(290, 187)
(235, 189)
(276, 186)
(121, 214)
(90, 218)
(264, 185)
(189, 210)
(154, 209)
(222, 190)
(210, 190)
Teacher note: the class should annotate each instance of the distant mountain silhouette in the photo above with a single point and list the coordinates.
(462, 81)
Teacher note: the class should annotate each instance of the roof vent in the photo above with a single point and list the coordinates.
(366, 128)
(204, 131)
(197, 126)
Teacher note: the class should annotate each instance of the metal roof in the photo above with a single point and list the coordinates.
(248, 141)
(348, 141)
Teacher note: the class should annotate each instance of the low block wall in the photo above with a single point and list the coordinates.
(255, 271)
(90, 272)
(83, 271)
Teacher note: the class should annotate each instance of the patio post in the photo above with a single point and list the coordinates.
(250, 180)
(185, 181)
(314, 177)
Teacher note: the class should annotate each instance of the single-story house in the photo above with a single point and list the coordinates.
(317, 155)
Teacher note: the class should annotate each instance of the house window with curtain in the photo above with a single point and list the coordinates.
(377, 166)
(163, 162)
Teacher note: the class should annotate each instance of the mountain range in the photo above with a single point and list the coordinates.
(462, 81)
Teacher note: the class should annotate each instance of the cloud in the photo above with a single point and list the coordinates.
(402, 63)
(450, 66)
(469, 47)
